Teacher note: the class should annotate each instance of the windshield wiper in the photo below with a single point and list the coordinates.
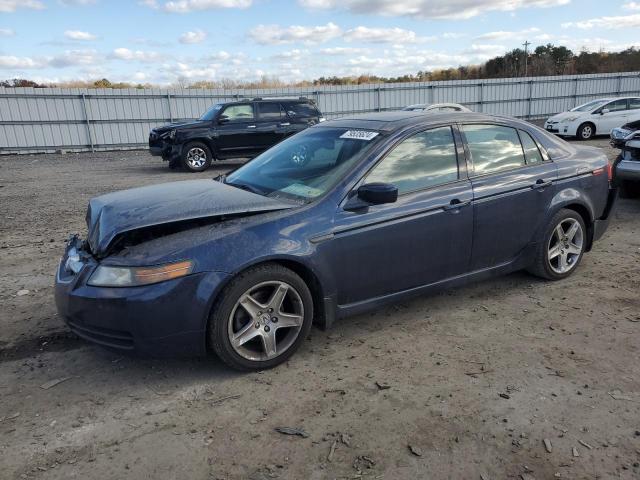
(247, 187)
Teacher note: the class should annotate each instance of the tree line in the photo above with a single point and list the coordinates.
(544, 60)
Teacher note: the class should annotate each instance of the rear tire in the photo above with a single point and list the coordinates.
(586, 131)
(196, 157)
(562, 247)
(261, 318)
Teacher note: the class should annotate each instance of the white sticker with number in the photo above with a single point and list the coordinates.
(359, 135)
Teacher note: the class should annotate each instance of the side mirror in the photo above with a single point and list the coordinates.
(223, 119)
(603, 111)
(378, 193)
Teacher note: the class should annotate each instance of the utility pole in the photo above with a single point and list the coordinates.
(526, 55)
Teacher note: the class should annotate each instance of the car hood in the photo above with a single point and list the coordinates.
(564, 115)
(171, 126)
(115, 214)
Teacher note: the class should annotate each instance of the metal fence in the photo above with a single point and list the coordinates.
(50, 119)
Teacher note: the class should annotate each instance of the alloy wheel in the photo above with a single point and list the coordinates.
(587, 131)
(565, 245)
(266, 321)
(196, 157)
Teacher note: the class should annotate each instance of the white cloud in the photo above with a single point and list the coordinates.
(72, 58)
(504, 35)
(75, 3)
(626, 21)
(292, 55)
(383, 35)
(277, 35)
(79, 35)
(11, 62)
(186, 6)
(13, 5)
(7, 32)
(197, 36)
(633, 6)
(136, 55)
(458, 9)
(453, 35)
(342, 51)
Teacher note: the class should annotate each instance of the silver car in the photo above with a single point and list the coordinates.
(437, 107)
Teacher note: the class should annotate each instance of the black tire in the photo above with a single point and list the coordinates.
(547, 268)
(586, 131)
(196, 157)
(219, 329)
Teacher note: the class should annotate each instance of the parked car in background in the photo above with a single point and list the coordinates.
(627, 165)
(597, 117)
(436, 107)
(343, 217)
(232, 130)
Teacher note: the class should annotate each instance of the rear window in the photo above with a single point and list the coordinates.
(302, 110)
(269, 110)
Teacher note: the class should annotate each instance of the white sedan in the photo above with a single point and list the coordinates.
(597, 117)
(436, 107)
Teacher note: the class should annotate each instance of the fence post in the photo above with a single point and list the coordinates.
(86, 118)
(378, 97)
(530, 99)
(481, 99)
(169, 105)
(575, 92)
(619, 88)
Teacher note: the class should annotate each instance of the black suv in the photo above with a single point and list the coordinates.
(232, 130)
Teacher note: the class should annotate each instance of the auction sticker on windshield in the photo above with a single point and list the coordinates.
(302, 190)
(359, 135)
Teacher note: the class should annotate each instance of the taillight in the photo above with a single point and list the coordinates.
(610, 171)
(600, 171)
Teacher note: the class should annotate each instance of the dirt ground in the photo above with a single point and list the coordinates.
(467, 384)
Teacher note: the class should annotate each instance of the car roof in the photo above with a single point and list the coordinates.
(396, 120)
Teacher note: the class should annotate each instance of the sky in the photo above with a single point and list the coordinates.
(182, 41)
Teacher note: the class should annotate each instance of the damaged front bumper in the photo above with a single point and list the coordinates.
(163, 319)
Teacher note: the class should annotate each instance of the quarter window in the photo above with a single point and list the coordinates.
(423, 160)
(493, 148)
(269, 110)
(239, 113)
(634, 103)
(531, 151)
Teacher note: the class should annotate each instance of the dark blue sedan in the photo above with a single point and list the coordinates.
(346, 216)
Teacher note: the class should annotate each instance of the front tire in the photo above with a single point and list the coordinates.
(561, 250)
(586, 131)
(196, 157)
(261, 319)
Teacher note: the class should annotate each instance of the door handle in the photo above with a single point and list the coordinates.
(456, 204)
(251, 126)
(540, 184)
(285, 124)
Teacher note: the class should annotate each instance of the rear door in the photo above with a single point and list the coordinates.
(272, 123)
(512, 188)
(236, 133)
(422, 238)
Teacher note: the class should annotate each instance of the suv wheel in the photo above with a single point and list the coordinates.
(261, 319)
(196, 157)
(561, 250)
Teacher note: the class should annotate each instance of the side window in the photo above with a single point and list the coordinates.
(302, 110)
(239, 113)
(269, 110)
(420, 161)
(531, 151)
(634, 103)
(493, 148)
(616, 106)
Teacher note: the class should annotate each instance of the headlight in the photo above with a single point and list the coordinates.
(172, 134)
(105, 276)
(571, 119)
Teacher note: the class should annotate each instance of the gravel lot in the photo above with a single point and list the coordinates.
(463, 385)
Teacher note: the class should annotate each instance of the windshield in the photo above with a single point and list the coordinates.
(587, 107)
(306, 165)
(212, 112)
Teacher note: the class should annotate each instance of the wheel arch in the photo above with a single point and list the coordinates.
(587, 218)
(587, 122)
(324, 310)
(209, 144)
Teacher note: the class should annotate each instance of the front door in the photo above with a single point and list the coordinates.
(512, 188)
(237, 131)
(272, 123)
(422, 238)
(615, 117)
